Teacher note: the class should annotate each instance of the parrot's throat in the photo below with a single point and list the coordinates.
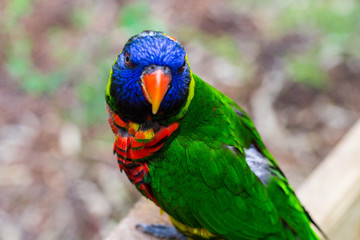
(134, 143)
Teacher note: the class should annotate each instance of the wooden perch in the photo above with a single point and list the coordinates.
(144, 211)
(331, 194)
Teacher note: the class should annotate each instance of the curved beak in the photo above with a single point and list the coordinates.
(155, 83)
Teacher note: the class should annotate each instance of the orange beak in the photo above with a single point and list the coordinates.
(155, 83)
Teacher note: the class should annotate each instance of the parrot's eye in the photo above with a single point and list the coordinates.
(127, 59)
(182, 68)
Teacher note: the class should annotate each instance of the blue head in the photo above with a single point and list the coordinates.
(150, 77)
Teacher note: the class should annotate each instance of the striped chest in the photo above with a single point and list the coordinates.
(134, 144)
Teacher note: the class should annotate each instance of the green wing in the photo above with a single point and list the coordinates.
(203, 179)
(292, 214)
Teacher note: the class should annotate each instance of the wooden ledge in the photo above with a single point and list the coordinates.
(144, 211)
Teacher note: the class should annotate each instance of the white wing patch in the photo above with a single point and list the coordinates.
(258, 163)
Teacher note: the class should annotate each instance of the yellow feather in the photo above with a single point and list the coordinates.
(189, 231)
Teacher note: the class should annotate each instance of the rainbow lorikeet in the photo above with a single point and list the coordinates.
(194, 152)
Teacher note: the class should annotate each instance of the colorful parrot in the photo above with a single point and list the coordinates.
(194, 152)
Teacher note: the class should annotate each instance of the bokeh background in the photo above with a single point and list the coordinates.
(293, 65)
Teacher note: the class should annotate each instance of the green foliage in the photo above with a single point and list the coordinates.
(20, 66)
(306, 69)
(15, 10)
(225, 46)
(81, 17)
(137, 16)
(333, 29)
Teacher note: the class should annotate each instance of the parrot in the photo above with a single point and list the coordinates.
(194, 152)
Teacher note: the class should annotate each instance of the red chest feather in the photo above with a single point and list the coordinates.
(134, 143)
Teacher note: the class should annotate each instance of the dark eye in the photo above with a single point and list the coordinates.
(182, 68)
(127, 59)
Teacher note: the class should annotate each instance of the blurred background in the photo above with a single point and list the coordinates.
(292, 65)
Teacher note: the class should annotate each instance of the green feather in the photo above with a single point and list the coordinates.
(201, 183)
